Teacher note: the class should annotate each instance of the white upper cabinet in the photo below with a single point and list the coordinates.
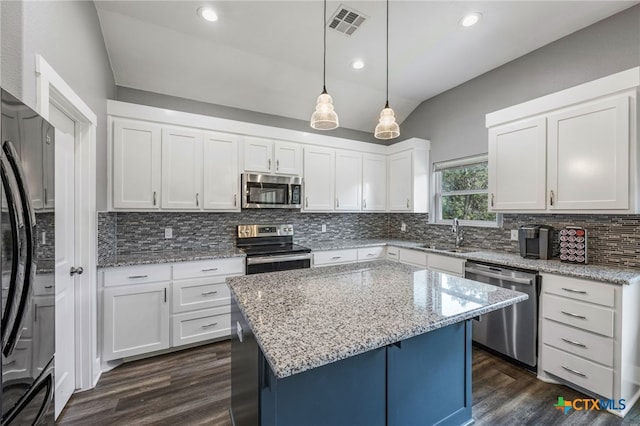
(348, 180)
(588, 158)
(181, 168)
(408, 177)
(136, 165)
(374, 182)
(400, 174)
(517, 166)
(220, 172)
(319, 179)
(272, 157)
(575, 152)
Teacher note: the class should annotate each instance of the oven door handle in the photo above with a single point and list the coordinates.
(274, 259)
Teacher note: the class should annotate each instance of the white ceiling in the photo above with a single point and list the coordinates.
(266, 56)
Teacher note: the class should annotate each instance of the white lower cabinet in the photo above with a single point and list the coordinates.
(413, 257)
(447, 264)
(371, 253)
(588, 337)
(334, 257)
(153, 307)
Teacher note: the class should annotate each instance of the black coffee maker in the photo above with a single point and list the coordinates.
(536, 241)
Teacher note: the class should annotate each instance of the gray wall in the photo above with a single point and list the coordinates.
(136, 96)
(67, 34)
(454, 120)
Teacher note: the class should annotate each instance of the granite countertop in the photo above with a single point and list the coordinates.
(603, 273)
(307, 318)
(167, 256)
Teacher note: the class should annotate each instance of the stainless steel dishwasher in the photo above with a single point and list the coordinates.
(512, 331)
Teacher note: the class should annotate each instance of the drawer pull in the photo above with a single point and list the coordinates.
(208, 293)
(571, 290)
(336, 257)
(133, 277)
(210, 325)
(392, 254)
(371, 254)
(574, 315)
(48, 286)
(209, 269)
(576, 372)
(574, 343)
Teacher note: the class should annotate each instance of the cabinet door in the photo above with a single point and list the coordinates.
(348, 180)
(257, 155)
(136, 320)
(31, 131)
(220, 171)
(319, 179)
(288, 158)
(374, 182)
(43, 339)
(181, 169)
(588, 158)
(400, 181)
(517, 166)
(136, 165)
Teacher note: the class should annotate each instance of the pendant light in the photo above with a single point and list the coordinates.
(324, 117)
(387, 127)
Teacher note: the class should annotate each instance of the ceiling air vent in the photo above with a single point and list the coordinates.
(346, 20)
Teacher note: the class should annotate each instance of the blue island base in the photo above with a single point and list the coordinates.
(424, 380)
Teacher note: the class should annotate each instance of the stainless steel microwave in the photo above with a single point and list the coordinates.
(271, 192)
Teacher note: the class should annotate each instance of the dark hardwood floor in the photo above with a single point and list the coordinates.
(193, 387)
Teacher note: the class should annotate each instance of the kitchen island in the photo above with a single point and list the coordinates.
(375, 344)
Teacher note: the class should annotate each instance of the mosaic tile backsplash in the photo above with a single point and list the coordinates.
(613, 239)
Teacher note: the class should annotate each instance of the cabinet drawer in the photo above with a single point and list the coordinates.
(371, 253)
(43, 285)
(446, 264)
(587, 345)
(202, 325)
(582, 372)
(587, 291)
(136, 274)
(205, 268)
(578, 314)
(202, 293)
(414, 257)
(393, 253)
(333, 257)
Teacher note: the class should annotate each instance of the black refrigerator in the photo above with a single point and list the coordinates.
(27, 265)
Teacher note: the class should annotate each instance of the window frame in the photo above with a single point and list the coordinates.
(436, 213)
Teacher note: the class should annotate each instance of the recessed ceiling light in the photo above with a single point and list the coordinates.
(357, 64)
(208, 14)
(470, 19)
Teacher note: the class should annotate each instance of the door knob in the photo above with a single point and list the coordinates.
(75, 270)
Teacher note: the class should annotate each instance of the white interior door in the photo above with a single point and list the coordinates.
(65, 256)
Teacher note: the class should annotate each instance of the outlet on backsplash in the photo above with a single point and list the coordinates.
(168, 233)
(403, 227)
(514, 235)
(324, 228)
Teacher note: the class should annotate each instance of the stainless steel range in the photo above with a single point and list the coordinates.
(270, 248)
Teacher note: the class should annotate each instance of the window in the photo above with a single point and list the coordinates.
(461, 191)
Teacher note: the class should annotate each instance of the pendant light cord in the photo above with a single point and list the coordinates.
(324, 50)
(387, 103)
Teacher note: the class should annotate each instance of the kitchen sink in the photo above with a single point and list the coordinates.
(449, 248)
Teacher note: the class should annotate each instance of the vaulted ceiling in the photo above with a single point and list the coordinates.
(266, 56)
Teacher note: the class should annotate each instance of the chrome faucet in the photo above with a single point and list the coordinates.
(457, 229)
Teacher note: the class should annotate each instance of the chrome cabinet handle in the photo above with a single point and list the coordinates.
(210, 325)
(364, 203)
(235, 200)
(48, 286)
(165, 295)
(209, 269)
(571, 290)
(574, 315)
(371, 254)
(337, 202)
(154, 198)
(574, 343)
(209, 293)
(306, 201)
(269, 164)
(336, 257)
(407, 203)
(45, 196)
(79, 270)
(197, 201)
(277, 165)
(576, 372)
(133, 277)
(492, 199)
(392, 254)
(551, 197)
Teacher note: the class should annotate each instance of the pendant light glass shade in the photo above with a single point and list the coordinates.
(324, 117)
(387, 127)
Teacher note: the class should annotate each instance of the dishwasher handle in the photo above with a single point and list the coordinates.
(509, 278)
